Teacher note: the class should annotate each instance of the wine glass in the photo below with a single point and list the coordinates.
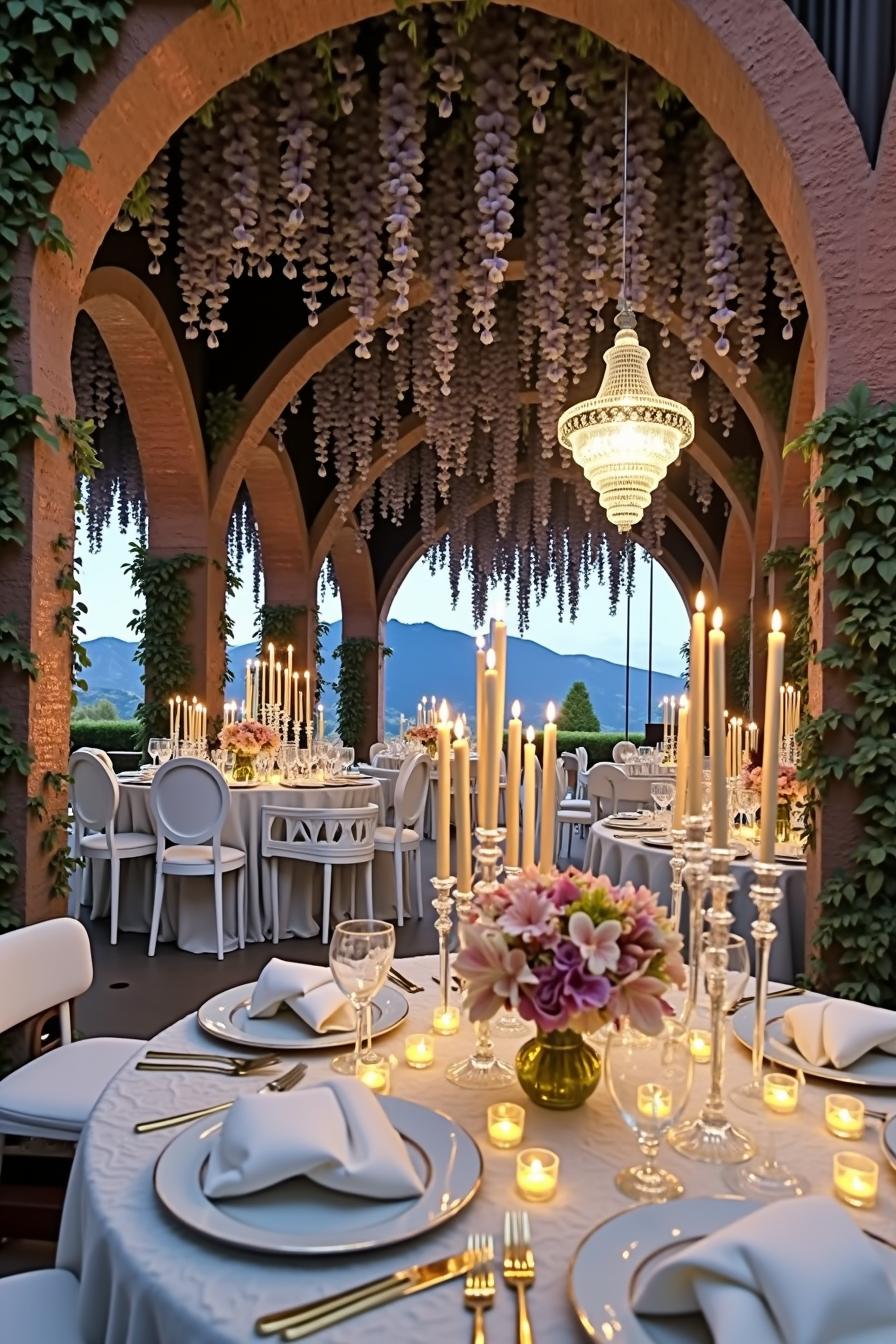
(737, 973)
(662, 794)
(153, 749)
(166, 746)
(361, 952)
(649, 1079)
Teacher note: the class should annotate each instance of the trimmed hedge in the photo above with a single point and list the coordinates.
(598, 745)
(109, 734)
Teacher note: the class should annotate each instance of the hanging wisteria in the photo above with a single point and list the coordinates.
(242, 539)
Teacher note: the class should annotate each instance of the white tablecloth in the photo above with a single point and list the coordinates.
(147, 1280)
(628, 859)
(188, 909)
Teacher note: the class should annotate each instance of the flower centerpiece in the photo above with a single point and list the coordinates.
(791, 792)
(423, 735)
(570, 952)
(246, 739)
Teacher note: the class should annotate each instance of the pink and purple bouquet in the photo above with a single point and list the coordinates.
(249, 737)
(424, 734)
(570, 950)
(790, 789)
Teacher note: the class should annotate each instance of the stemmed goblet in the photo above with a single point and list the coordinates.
(152, 748)
(663, 794)
(649, 1079)
(361, 952)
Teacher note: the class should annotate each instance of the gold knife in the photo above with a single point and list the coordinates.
(297, 1322)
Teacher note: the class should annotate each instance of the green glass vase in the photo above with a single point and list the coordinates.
(243, 768)
(558, 1069)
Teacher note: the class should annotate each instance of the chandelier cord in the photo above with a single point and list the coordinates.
(624, 296)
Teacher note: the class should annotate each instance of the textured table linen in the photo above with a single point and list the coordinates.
(188, 911)
(147, 1280)
(629, 859)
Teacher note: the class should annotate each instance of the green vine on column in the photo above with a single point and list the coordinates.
(352, 655)
(160, 628)
(232, 584)
(855, 493)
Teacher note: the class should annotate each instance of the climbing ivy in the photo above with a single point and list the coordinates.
(855, 494)
(352, 655)
(232, 584)
(744, 473)
(222, 410)
(739, 665)
(160, 627)
(275, 623)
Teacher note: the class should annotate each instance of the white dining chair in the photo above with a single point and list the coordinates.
(42, 968)
(94, 796)
(403, 839)
(376, 749)
(332, 837)
(387, 781)
(582, 771)
(40, 1306)
(189, 802)
(569, 813)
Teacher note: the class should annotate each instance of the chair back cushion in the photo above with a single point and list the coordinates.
(40, 966)
(94, 789)
(410, 790)
(189, 801)
(320, 835)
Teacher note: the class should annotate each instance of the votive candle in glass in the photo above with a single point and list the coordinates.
(700, 1043)
(780, 1092)
(446, 1021)
(375, 1076)
(506, 1121)
(654, 1101)
(419, 1050)
(537, 1170)
(844, 1115)
(855, 1179)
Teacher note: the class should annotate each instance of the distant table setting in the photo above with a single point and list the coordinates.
(248, 1220)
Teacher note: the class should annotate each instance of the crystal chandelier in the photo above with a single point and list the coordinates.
(626, 438)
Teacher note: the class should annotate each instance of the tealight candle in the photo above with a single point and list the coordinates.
(446, 1021)
(780, 1092)
(700, 1043)
(654, 1101)
(844, 1115)
(855, 1179)
(506, 1121)
(375, 1076)
(537, 1170)
(419, 1050)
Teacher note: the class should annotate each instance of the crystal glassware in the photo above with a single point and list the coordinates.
(662, 793)
(361, 952)
(152, 748)
(766, 1177)
(166, 747)
(737, 973)
(649, 1079)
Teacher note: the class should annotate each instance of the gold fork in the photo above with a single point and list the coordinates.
(479, 1289)
(519, 1268)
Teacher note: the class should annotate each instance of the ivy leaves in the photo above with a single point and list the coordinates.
(352, 655)
(160, 628)
(854, 493)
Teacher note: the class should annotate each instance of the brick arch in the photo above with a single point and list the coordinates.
(282, 529)
(159, 402)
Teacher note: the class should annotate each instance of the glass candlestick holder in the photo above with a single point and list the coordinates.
(442, 904)
(508, 1022)
(482, 1069)
(766, 895)
(677, 865)
(695, 872)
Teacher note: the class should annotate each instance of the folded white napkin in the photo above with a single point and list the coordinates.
(838, 1032)
(336, 1134)
(310, 991)
(795, 1272)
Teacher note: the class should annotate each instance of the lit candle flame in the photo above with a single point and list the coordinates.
(480, 641)
(550, 712)
(491, 660)
(443, 712)
(776, 620)
(515, 709)
(530, 734)
(701, 601)
(458, 727)
(717, 619)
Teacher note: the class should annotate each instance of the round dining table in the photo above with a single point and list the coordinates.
(188, 908)
(624, 857)
(147, 1279)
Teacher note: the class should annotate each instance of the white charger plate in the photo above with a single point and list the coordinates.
(873, 1070)
(888, 1141)
(226, 1017)
(243, 783)
(604, 1273)
(299, 1217)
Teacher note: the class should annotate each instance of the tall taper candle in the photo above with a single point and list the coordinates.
(499, 644)
(488, 762)
(171, 718)
(290, 705)
(443, 826)
(681, 767)
(309, 708)
(529, 798)
(696, 708)
(548, 792)
(480, 700)
(248, 681)
(718, 773)
(514, 751)
(463, 842)
(771, 741)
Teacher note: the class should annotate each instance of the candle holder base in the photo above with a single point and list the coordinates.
(767, 1179)
(510, 1024)
(649, 1185)
(480, 1073)
(747, 1098)
(721, 1143)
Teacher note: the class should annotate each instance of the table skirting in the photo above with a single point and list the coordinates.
(188, 909)
(147, 1280)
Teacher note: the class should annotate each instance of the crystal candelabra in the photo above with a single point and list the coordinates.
(711, 1137)
(677, 864)
(509, 1022)
(766, 895)
(695, 871)
(442, 906)
(482, 1069)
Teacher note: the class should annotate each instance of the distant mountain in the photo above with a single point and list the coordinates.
(427, 660)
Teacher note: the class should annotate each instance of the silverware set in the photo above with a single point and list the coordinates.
(477, 1264)
(285, 1083)
(187, 1061)
(401, 981)
(772, 994)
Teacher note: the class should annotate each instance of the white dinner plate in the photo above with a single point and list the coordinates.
(299, 1217)
(304, 784)
(873, 1070)
(604, 1274)
(888, 1141)
(226, 1017)
(338, 781)
(657, 841)
(623, 816)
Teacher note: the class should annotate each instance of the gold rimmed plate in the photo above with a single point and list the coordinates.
(299, 1217)
(226, 1017)
(875, 1069)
